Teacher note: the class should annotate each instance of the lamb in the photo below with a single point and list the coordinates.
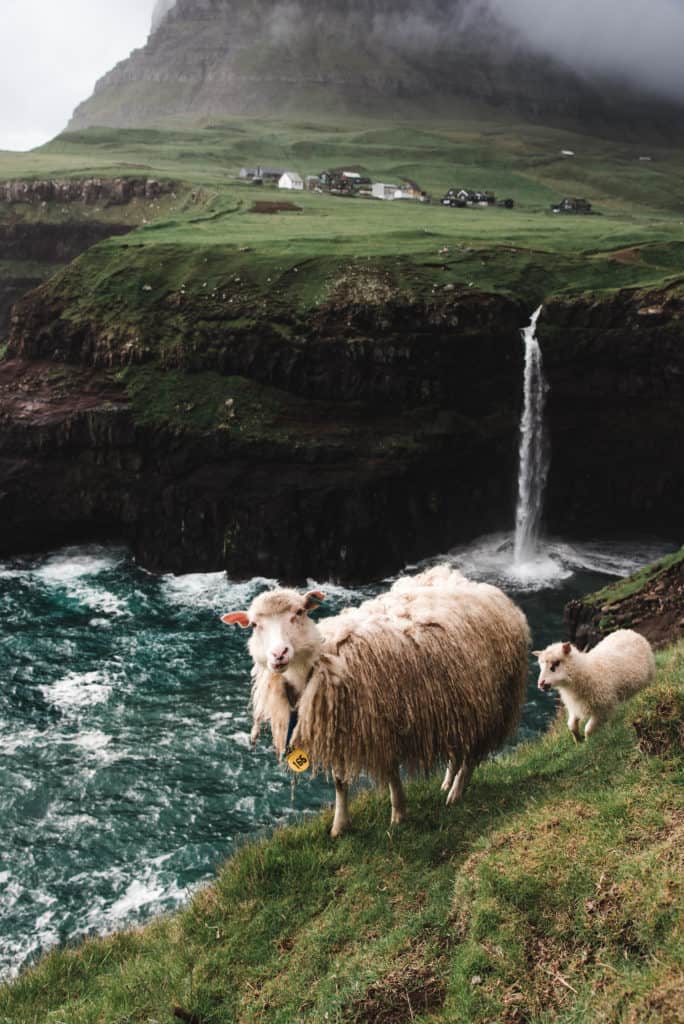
(591, 685)
(433, 670)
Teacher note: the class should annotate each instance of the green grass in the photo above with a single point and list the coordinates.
(291, 262)
(552, 893)
(624, 588)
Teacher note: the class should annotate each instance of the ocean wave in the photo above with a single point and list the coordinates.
(77, 690)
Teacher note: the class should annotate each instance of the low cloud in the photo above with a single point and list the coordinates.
(638, 42)
(624, 39)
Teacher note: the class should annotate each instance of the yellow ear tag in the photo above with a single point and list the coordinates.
(298, 761)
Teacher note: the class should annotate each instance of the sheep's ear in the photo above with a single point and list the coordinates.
(567, 648)
(313, 599)
(537, 654)
(241, 618)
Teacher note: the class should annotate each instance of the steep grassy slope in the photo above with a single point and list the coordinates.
(551, 894)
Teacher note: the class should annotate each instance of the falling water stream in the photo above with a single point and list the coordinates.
(533, 462)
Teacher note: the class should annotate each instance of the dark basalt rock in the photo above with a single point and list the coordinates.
(415, 451)
(75, 465)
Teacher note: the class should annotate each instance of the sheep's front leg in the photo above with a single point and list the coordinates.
(450, 775)
(398, 799)
(573, 726)
(459, 784)
(341, 819)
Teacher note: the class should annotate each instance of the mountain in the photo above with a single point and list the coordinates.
(365, 57)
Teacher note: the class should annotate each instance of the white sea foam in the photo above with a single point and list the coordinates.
(76, 562)
(491, 559)
(78, 690)
(211, 590)
(152, 891)
(73, 570)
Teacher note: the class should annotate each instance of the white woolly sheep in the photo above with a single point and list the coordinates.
(592, 684)
(433, 670)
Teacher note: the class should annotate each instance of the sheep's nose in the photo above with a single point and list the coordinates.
(281, 654)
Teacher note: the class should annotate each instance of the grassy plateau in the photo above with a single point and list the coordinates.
(207, 235)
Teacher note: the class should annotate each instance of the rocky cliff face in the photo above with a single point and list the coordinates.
(338, 444)
(325, 490)
(212, 57)
(616, 412)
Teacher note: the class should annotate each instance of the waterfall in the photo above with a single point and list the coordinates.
(533, 464)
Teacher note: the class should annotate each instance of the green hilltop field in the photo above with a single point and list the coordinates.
(637, 241)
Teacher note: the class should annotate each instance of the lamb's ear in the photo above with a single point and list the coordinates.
(566, 649)
(537, 654)
(241, 618)
(313, 599)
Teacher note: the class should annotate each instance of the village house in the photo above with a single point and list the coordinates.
(571, 205)
(380, 190)
(468, 197)
(270, 174)
(291, 180)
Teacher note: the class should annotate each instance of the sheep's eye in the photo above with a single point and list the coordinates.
(300, 613)
(554, 665)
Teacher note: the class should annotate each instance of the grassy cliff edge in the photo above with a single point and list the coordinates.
(552, 893)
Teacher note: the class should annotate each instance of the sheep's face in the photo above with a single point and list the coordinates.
(283, 634)
(554, 666)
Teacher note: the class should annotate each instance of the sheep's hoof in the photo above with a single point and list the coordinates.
(577, 737)
(397, 817)
(338, 830)
(446, 786)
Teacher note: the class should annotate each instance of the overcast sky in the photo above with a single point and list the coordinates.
(54, 50)
(52, 55)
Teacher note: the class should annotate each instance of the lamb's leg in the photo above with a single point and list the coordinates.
(459, 784)
(398, 799)
(592, 725)
(573, 726)
(341, 819)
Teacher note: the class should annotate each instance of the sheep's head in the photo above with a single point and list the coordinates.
(555, 665)
(283, 634)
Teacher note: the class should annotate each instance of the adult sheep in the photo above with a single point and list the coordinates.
(593, 684)
(433, 670)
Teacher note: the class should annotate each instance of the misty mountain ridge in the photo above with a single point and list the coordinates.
(379, 58)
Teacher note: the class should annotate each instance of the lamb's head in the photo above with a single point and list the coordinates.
(284, 637)
(555, 665)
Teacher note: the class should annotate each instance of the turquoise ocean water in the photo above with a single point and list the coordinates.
(126, 775)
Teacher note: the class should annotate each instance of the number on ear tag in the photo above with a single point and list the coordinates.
(298, 761)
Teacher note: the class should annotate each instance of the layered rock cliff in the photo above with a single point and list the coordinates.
(341, 442)
(217, 57)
